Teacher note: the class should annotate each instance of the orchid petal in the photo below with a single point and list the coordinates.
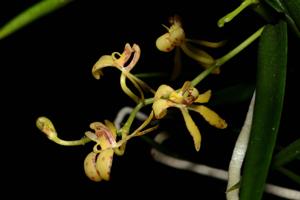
(203, 98)
(210, 116)
(111, 127)
(105, 137)
(163, 92)
(125, 56)
(104, 61)
(197, 54)
(90, 167)
(207, 43)
(127, 91)
(175, 36)
(91, 136)
(164, 43)
(160, 107)
(104, 163)
(191, 126)
(137, 53)
(177, 98)
(46, 126)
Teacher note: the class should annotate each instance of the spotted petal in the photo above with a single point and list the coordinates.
(104, 163)
(46, 126)
(210, 116)
(104, 135)
(90, 167)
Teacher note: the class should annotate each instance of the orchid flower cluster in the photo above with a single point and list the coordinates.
(108, 139)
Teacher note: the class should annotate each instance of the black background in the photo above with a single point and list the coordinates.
(46, 70)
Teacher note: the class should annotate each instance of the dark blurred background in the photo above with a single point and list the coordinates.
(46, 71)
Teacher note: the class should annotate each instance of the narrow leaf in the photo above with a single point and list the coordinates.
(270, 86)
(290, 10)
(31, 14)
(287, 154)
(294, 177)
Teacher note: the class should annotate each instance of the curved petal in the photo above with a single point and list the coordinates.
(137, 53)
(197, 54)
(177, 34)
(163, 92)
(160, 108)
(207, 43)
(90, 167)
(204, 97)
(46, 126)
(104, 61)
(164, 43)
(192, 127)
(91, 136)
(105, 136)
(125, 88)
(126, 55)
(104, 163)
(175, 97)
(111, 127)
(210, 116)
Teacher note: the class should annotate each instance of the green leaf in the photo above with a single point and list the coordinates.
(277, 5)
(293, 7)
(270, 86)
(291, 11)
(31, 14)
(287, 154)
(294, 177)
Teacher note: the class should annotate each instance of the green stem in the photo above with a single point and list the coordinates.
(82, 141)
(125, 129)
(220, 61)
(233, 14)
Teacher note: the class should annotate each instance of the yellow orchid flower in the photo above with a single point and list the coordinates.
(186, 99)
(125, 65)
(97, 166)
(175, 39)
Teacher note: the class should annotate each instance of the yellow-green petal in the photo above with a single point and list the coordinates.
(164, 44)
(160, 108)
(105, 137)
(90, 167)
(111, 127)
(210, 116)
(197, 54)
(46, 126)
(176, 97)
(163, 92)
(207, 43)
(104, 61)
(204, 97)
(192, 127)
(125, 74)
(104, 163)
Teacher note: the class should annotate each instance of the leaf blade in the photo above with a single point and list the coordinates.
(271, 75)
